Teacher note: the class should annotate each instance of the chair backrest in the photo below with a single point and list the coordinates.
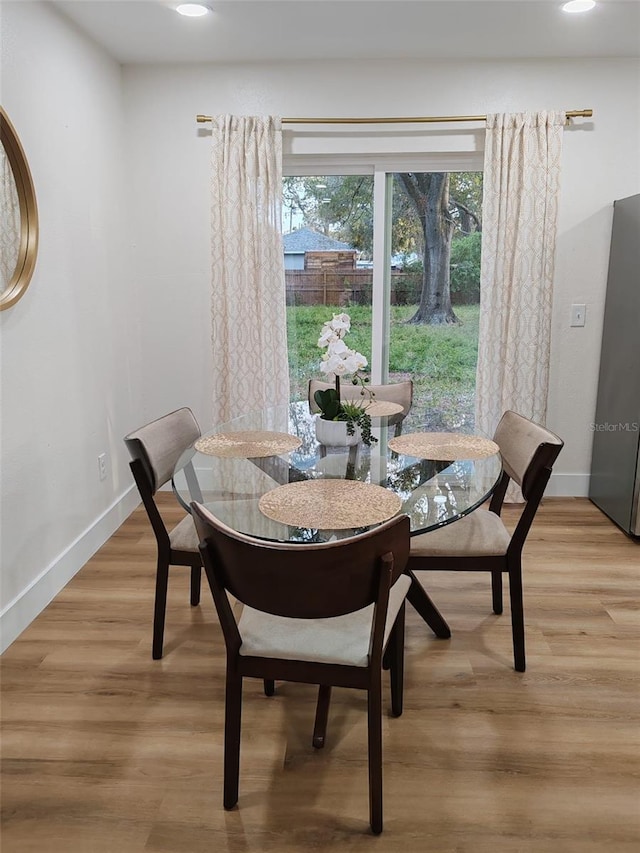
(394, 392)
(158, 445)
(528, 451)
(310, 581)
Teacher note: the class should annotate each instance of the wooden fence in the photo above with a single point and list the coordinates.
(346, 287)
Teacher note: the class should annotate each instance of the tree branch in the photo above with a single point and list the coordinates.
(468, 211)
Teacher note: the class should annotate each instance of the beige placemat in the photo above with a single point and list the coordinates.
(330, 504)
(248, 444)
(382, 408)
(444, 446)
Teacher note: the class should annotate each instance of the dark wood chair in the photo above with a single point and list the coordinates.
(155, 450)
(320, 614)
(480, 542)
(393, 392)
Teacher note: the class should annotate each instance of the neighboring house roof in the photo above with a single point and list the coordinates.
(307, 240)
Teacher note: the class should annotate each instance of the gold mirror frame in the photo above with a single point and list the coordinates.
(28, 248)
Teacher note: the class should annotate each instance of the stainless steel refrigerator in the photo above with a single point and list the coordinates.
(615, 465)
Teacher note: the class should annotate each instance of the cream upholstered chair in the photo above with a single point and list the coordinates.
(320, 614)
(394, 392)
(155, 450)
(480, 541)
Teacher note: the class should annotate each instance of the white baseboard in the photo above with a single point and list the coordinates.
(568, 486)
(20, 612)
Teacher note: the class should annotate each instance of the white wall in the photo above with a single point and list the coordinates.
(170, 170)
(114, 329)
(69, 347)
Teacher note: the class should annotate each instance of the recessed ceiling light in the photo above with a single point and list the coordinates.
(578, 6)
(192, 10)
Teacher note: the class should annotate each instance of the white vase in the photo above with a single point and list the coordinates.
(334, 433)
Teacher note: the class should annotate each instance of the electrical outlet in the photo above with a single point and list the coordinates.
(578, 313)
(102, 466)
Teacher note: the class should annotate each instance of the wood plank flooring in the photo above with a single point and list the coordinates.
(105, 750)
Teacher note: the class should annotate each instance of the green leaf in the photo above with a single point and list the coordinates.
(328, 403)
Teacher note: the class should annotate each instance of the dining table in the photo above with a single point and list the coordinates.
(265, 474)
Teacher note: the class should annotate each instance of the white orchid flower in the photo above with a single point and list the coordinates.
(327, 336)
(339, 347)
(354, 361)
(333, 364)
(339, 359)
(341, 323)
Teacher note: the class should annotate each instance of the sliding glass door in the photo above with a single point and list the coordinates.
(399, 252)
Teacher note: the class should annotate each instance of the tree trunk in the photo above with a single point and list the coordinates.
(435, 299)
(429, 193)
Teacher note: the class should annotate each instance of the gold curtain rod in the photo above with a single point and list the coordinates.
(201, 119)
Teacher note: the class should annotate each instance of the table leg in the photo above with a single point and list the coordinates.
(419, 599)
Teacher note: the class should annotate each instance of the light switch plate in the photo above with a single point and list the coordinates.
(578, 313)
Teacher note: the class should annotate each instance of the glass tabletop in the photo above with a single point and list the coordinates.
(432, 492)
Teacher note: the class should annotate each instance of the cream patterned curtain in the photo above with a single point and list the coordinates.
(249, 332)
(519, 218)
(9, 222)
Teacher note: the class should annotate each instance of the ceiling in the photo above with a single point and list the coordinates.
(150, 31)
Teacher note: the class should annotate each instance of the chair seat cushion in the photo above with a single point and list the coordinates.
(479, 534)
(183, 537)
(341, 639)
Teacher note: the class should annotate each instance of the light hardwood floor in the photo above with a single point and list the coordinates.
(106, 750)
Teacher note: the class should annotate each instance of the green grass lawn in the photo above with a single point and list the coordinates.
(441, 360)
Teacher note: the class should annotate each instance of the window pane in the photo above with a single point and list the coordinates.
(328, 225)
(435, 295)
(328, 236)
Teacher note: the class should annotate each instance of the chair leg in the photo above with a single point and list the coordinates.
(496, 591)
(269, 687)
(196, 574)
(419, 599)
(160, 608)
(322, 715)
(232, 719)
(374, 708)
(517, 617)
(396, 660)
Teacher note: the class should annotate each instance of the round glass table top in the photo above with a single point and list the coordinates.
(230, 482)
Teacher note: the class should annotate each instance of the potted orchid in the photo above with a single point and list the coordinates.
(339, 361)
